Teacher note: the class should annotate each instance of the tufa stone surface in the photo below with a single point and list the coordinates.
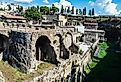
(20, 51)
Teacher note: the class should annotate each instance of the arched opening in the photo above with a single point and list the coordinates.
(68, 40)
(44, 50)
(70, 44)
(4, 46)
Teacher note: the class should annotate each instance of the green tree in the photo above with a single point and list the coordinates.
(20, 8)
(38, 8)
(90, 13)
(93, 11)
(54, 9)
(62, 9)
(72, 10)
(44, 10)
(80, 11)
(9, 8)
(84, 11)
(77, 11)
(2, 9)
(32, 14)
(68, 10)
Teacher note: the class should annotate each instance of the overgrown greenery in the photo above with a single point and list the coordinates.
(32, 14)
(102, 53)
(106, 69)
(44, 10)
(80, 52)
(103, 45)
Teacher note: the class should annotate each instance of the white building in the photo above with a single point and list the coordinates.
(5, 6)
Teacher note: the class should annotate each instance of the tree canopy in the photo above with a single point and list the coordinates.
(44, 10)
(80, 11)
(9, 7)
(72, 10)
(68, 10)
(62, 9)
(93, 11)
(90, 13)
(20, 9)
(84, 11)
(32, 14)
(54, 9)
(77, 11)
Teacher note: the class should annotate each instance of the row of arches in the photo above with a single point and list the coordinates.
(46, 52)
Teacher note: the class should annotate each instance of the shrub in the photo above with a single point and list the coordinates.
(80, 52)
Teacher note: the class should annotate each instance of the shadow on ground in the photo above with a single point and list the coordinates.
(108, 69)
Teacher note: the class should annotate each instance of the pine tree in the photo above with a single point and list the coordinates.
(62, 9)
(93, 11)
(90, 13)
(54, 9)
(68, 10)
(65, 10)
(72, 10)
(84, 11)
(76, 11)
(80, 11)
(9, 8)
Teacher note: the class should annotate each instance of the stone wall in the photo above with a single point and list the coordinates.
(20, 55)
(69, 70)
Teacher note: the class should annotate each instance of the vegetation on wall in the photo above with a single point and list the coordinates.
(80, 51)
(106, 66)
(102, 53)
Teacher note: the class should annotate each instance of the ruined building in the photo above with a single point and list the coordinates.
(62, 43)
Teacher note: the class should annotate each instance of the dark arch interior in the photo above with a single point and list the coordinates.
(64, 53)
(4, 45)
(44, 50)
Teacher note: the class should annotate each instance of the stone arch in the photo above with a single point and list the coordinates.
(70, 35)
(72, 47)
(4, 46)
(44, 50)
(64, 53)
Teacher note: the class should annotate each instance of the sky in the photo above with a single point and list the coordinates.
(105, 7)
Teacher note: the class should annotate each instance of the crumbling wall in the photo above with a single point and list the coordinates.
(20, 55)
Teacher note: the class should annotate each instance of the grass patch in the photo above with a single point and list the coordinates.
(44, 66)
(95, 60)
(13, 75)
(108, 68)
